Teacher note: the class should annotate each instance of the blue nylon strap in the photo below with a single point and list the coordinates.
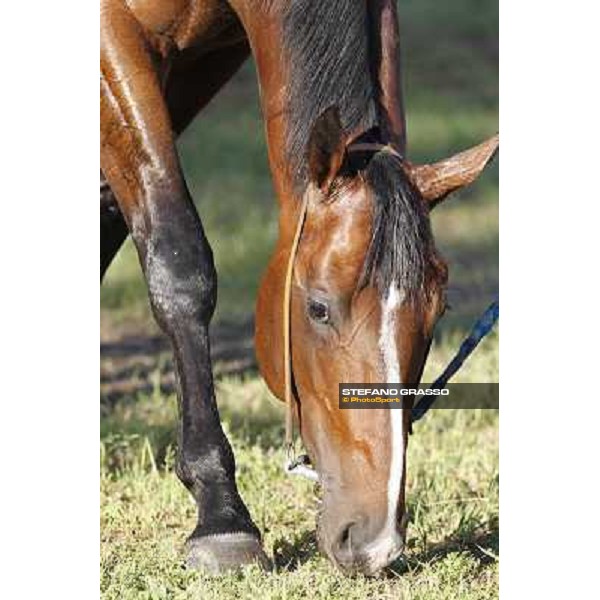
(481, 328)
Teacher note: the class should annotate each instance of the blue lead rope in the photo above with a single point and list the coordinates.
(481, 328)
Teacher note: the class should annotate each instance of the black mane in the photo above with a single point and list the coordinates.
(328, 47)
(401, 249)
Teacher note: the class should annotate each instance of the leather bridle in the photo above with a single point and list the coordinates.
(292, 464)
(299, 465)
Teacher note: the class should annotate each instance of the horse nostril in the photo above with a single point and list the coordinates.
(344, 541)
(349, 542)
(342, 547)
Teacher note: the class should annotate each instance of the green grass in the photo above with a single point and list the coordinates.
(452, 544)
(146, 514)
(451, 88)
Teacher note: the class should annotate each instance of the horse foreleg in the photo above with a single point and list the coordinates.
(188, 90)
(140, 164)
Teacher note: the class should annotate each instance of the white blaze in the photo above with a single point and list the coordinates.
(387, 541)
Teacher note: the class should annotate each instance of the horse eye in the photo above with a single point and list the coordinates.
(318, 311)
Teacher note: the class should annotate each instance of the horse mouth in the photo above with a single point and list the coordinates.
(369, 565)
(374, 565)
(368, 559)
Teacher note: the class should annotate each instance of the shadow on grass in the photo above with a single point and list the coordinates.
(143, 364)
(481, 541)
(288, 556)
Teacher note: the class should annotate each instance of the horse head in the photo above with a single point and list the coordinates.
(367, 288)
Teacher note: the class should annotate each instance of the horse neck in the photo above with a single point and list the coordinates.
(263, 22)
(266, 42)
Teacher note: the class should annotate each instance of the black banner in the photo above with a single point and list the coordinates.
(393, 395)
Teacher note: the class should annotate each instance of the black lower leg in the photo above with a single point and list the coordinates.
(182, 283)
(206, 464)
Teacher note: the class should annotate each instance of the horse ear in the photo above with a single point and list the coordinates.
(438, 180)
(326, 148)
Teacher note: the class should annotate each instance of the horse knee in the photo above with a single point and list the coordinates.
(180, 272)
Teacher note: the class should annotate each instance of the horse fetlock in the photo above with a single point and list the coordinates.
(220, 507)
(209, 468)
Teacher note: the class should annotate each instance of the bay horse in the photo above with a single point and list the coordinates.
(368, 283)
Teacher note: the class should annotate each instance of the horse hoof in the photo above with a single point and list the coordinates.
(224, 552)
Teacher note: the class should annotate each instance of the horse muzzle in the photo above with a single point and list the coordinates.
(358, 546)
